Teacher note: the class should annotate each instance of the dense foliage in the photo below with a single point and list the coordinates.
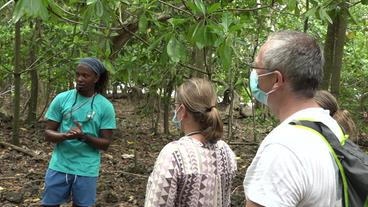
(154, 44)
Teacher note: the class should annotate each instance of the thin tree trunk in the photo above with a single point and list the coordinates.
(305, 29)
(32, 109)
(167, 101)
(199, 61)
(231, 111)
(329, 55)
(339, 48)
(158, 108)
(16, 103)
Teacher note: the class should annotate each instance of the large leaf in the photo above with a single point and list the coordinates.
(33, 8)
(311, 12)
(99, 8)
(200, 5)
(175, 50)
(225, 53)
(19, 10)
(214, 7)
(227, 20)
(199, 35)
(324, 16)
(87, 16)
(292, 4)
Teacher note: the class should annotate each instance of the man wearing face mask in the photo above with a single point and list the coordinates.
(293, 166)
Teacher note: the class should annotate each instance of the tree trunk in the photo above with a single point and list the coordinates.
(166, 112)
(339, 48)
(329, 55)
(115, 90)
(305, 29)
(167, 101)
(199, 61)
(334, 50)
(158, 114)
(16, 103)
(32, 109)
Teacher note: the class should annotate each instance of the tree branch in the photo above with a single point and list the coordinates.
(76, 22)
(175, 7)
(25, 151)
(159, 51)
(6, 4)
(240, 10)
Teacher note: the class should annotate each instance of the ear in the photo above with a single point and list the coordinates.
(280, 80)
(184, 112)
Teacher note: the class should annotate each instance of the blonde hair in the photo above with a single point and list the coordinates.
(327, 101)
(199, 98)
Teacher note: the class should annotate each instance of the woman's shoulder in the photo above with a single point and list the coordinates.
(222, 144)
(176, 145)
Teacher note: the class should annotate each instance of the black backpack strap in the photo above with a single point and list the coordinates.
(322, 129)
(333, 143)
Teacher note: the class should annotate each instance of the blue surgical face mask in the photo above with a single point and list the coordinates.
(175, 121)
(260, 95)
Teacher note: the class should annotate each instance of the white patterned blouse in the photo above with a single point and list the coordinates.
(188, 173)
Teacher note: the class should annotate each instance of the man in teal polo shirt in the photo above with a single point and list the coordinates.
(80, 122)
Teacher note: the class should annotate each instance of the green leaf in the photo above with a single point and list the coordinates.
(324, 16)
(199, 35)
(225, 54)
(19, 10)
(156, 42)
(89, 2)
(33, 8)
(175, 22)
(200, 6)
(365, 2)
(87, 16)
(192, 7)
(175, 50)
(214, 7)
(55, 8)
(42, 10)
(236, 27)
(311, 12)
(107, 49)
(99, 8)
(227, 20)
(292, 5)
(142, 24)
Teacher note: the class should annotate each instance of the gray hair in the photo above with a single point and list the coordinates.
(298, 57)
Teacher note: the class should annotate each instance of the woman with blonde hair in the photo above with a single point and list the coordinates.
(197, 169)
(327, 101)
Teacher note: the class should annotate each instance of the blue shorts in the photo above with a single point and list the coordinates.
(61, 187)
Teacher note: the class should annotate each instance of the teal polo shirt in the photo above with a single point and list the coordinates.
(74, 156)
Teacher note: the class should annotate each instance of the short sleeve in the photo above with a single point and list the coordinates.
(54, 112)
(276, 178)
(162, 183)
(108, 119)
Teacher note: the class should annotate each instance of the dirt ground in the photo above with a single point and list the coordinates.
(125, 166)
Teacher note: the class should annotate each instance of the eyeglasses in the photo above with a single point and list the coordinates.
(252, 67)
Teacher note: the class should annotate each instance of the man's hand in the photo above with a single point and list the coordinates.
(76, 132)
